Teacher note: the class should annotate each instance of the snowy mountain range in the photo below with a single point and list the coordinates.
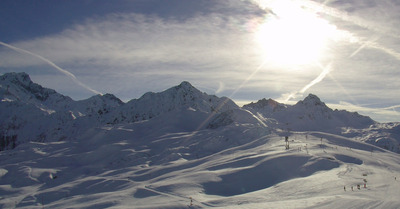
(308, 114)
(184, 148)
(30, 112)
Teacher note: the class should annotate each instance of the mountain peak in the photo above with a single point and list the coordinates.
(21, 87)
(17, 78)
(113, 98)
(311, 100)
(107, 96)
(312, 97)
(266, 104)
(181, 97)
(263, 103)
(185, 85)
(184, 90)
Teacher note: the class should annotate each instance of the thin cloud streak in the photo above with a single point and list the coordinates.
(319, 78)
(69, 74)
(352, 38)
(138, 48)
(365, 44)
(129, 54)
(247, 79)
(391, 107)
(128, 40)
(324, 9)
(344, 16)
(362, 23)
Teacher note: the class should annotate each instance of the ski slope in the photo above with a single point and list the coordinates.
(182, 148)
(237, 166)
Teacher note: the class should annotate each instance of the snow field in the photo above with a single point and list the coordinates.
(182, 148)
(121, 167)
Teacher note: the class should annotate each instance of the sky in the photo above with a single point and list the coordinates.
(345, 52)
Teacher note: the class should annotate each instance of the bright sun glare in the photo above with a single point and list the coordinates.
(293, 35)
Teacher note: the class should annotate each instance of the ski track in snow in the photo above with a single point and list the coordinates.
(182, 148)
(88, 183)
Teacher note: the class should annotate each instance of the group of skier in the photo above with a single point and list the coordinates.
(358, 187)
(365, 185)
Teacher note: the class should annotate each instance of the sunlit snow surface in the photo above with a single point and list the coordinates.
(242, 165)
(182, 148)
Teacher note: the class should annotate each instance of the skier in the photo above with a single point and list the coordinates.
(191, 202)
(344, 188)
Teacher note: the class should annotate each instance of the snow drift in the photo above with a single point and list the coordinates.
(184, 148)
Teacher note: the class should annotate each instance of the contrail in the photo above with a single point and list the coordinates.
(318, 79)
(321, 76)
(363, 45)
(391, 107)
(333, 12)
(360, 22)
(69, 74)
(227, 99)
(344, 16)
(248, 78)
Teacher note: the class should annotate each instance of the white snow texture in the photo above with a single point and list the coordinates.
(182, 148)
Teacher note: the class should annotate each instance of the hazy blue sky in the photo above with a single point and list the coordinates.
(346, 52)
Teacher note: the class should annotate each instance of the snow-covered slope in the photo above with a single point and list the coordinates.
(308, 114)
(97, 107)
(19, 87)
(385, 135)
(182, 148)
(30, 112)
(183, 96)
(151, 164)
(268, 107)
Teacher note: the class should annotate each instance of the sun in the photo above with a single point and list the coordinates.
(292, 35)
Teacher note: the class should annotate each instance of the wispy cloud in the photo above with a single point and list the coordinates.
(69, 74)
(128, 40)
(130, 47)
(129, 54)
(367, 47)
(319, 78)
